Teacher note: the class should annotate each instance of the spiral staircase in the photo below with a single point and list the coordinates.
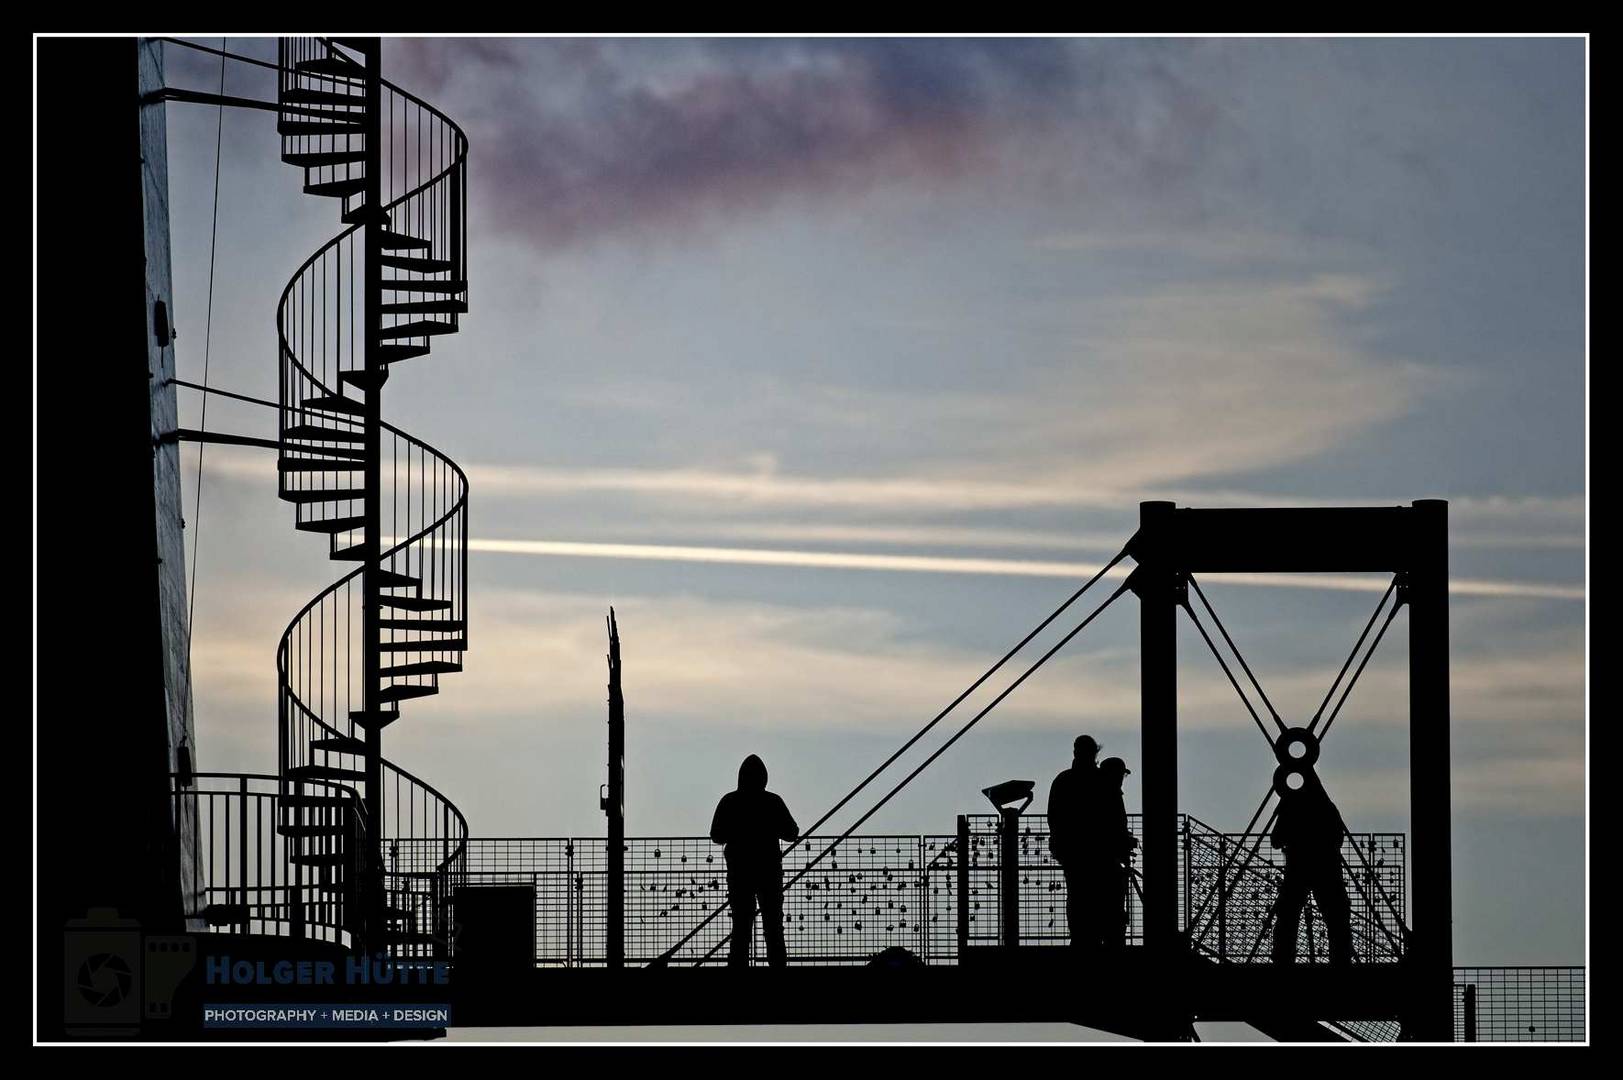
(327, 862)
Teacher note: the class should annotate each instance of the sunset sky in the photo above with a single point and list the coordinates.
(834, 365)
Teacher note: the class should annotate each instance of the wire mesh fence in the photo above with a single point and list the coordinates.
(918, 891)
(1519, 1004)
(1232, 882)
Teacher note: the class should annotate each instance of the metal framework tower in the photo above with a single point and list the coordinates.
(1408, 541)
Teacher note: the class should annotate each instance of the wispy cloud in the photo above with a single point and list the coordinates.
(938, 564)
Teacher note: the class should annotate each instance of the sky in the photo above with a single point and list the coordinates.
(834, 365)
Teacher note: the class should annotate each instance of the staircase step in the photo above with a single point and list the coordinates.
(456, 625)
(426, 307)
(226, 914)
(425, 285)
(404, 692)
(313, 802)
(296, 453)
(392, 241)
(435, 646)
(318, 128)
(316, 464)
(421, 667)
(325, 158)
(415, 603)
(321, 495)
(417, 328)
(317, 433)
(349, 554)
(421, 266)
(305, 95)
(388, 579)
(393, 354)
(331, 67)
(362, 381)
(305, 831)
(335, 403)
(363, 215)
(323, 772)
(337, 189)
(340, 744)
(332, 525)
(320, 858)
(375, 718)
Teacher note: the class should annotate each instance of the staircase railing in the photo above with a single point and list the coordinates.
(267, 860)
(323, 325)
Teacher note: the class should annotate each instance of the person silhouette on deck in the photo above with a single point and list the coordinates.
(750, 821)
(1069, 799)
(1110, 846)
(1309, 828)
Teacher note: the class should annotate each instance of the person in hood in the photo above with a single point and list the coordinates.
(750, 821)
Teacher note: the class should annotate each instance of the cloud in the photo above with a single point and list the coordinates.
(577, 139)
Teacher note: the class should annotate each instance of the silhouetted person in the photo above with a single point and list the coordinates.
(1108, 848)
(750, 822)
(1309, 829)
(1069, 799)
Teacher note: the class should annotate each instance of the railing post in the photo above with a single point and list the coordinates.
(242, 846)
(569, 903)
(1009, 877)
(963, 886)
(921, 907)
(1222, 898)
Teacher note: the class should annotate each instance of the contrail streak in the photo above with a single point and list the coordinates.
(938, 564)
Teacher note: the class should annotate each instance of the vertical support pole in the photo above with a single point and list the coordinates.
(242, 847)
(1431, 952)
(615, 806)
(371, 680)
(1009, 876)
(1470, 1012)
(1222, 898)
(921, 903)
(963, 885)
(1156, 586)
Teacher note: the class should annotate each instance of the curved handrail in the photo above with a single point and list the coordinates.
(302, 722)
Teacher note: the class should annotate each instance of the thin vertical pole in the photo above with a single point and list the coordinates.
(242, 847)
(1156, 586)
(614, 805)
(371, 680)
(1009, 884)
(1431, 903)
(963, 886)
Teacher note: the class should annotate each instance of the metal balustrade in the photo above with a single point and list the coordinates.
(875, 892)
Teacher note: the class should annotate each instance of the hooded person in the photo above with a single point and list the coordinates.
(749, 822)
